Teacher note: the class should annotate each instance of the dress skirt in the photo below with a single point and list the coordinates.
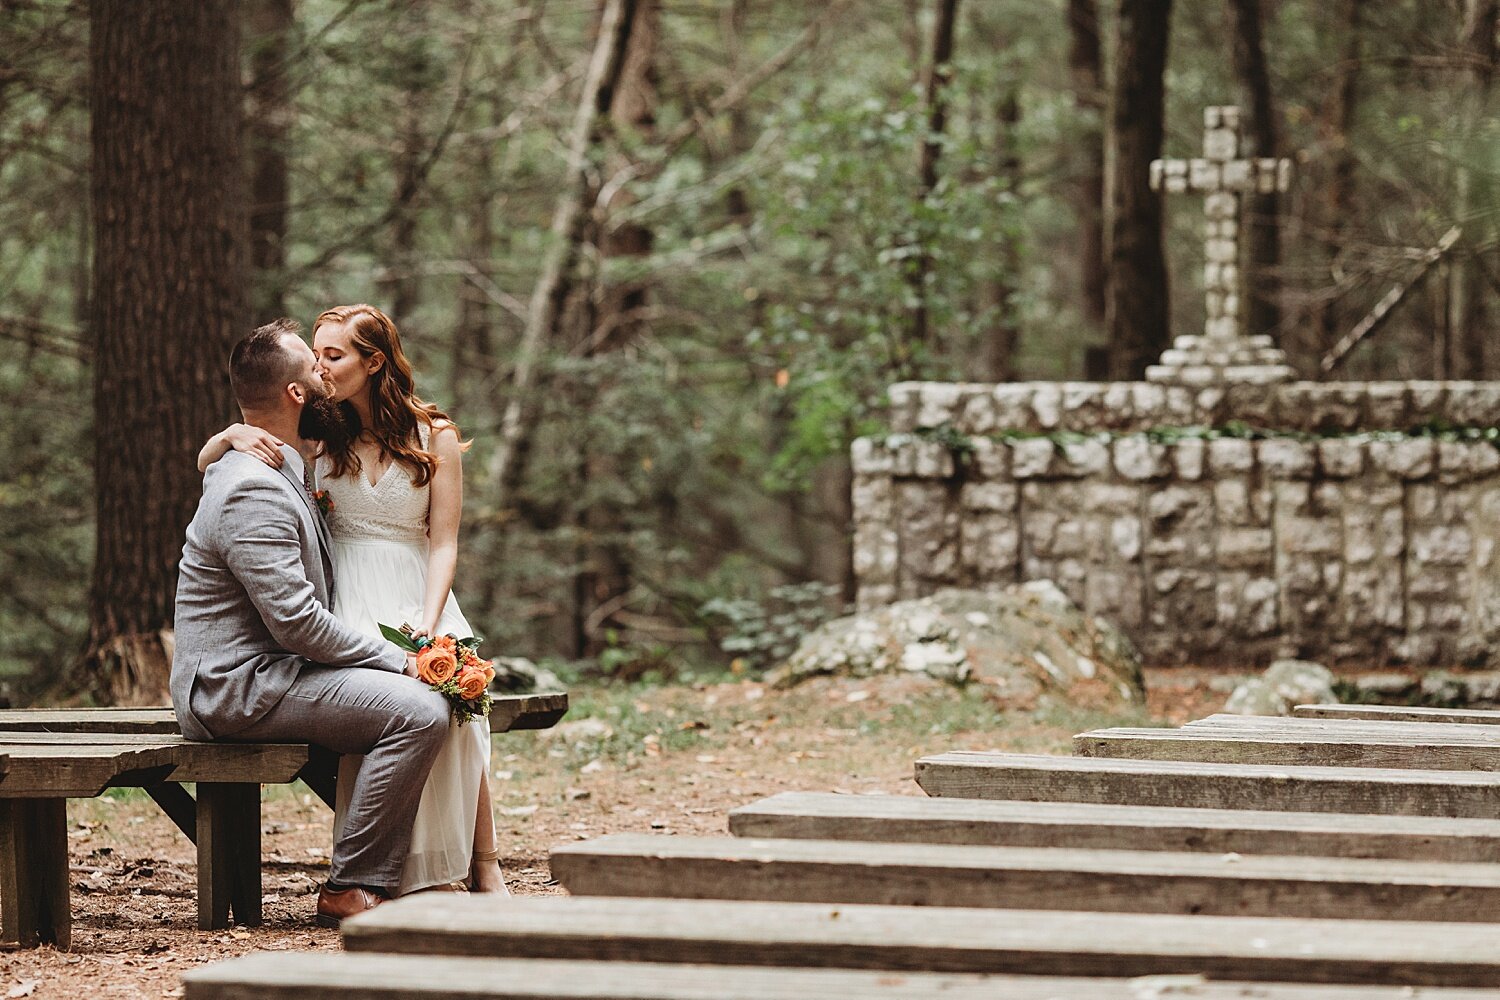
(382, 582)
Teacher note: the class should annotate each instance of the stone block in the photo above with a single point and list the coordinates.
(873, 498)
(1245, 548)
(872, 456)
(1088, 457)
(1341, 458)
(1149, 403)
(1032, 458)
(876, 548)
(1083, 404)
(1250, 403)
(1220, 251)
(1404, 458)
(1291, 498)
(1046, 405)
(1180, 407)
(904, 398)
(988, 495)
(1125, 538)
(938, 403)
(1388, 405)
(1442, 546)
(1308, 536)
(992, 547)
(1119, 406)
(978, 414)
(1248, 605)
(1139, 459)
(1464, 461)
(1111, 498)
(1419, 648)
(1013, 407)
(919, 458)
(1476, 405)
(1428, 401)
(1321, 406)
(1286, 458)
(1231, 456)
(1189, 458)
(1115, 595)
(874, 595)
(1180, 510)
(990, 459)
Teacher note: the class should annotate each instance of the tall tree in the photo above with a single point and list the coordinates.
(602, 586)
(1466, 306)
(937, 74)
(268, 121)
(169, 235)
(1335, 121)
(1136, 303)
(1086, 69)
(1263, 249)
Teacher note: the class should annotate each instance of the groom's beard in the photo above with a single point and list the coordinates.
(321, 419)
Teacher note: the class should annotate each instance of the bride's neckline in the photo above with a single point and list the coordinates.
(364, 464)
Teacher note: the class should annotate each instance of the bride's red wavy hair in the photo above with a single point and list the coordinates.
(395, 407)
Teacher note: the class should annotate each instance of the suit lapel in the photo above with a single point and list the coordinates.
(324, 542)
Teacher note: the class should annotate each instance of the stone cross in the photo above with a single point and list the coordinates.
(1225, 353)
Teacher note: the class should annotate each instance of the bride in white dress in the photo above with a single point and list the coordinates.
(396, 492)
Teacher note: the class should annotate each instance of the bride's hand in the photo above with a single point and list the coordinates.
(254, 441)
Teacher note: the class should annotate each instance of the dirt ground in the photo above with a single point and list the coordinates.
(671, 759)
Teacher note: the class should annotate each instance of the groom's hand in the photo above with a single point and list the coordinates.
(411, 665)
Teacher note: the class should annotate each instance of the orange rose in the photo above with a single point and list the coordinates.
(489, 673)
(471, 683)
(445, 642)
(436, 664)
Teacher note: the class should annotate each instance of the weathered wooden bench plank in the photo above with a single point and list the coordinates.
(1250, 747)
(1038, 778)
(298, 975)
(905, 819)
(1401, 713)
(1396, 730)
(1049, 878)
(936, 939)
(507, 712)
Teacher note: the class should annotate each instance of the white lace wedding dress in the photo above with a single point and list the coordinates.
(380, 574)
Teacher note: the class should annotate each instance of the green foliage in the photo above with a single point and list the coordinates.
(761, 634)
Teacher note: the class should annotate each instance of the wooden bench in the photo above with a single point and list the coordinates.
(1400, 713)
(1039, 778)
(298, 975)
(904, 819)
(78, 753)
(1312, 748)
(936, 939)
(1046, 878)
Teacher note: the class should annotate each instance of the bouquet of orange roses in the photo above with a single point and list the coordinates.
(450, 666)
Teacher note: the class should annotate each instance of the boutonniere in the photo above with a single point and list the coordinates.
(324, 502)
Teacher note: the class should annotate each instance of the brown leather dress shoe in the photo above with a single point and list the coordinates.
(336, 904)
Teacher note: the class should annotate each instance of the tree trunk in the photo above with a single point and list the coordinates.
(268, 119)
(402, 288)
(999, 354)
(1086, 67)
(935, 79)
(1136, 302)
(1466, 317)
(169, 235)
(1263, 246)
(567, 230)
(604, 579)
(1336, 121)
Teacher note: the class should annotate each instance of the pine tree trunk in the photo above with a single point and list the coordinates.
(935, 80)
(1466, 302)
(169, 237)
(605, 578)
(268, 119)
(1263, 249)
(999, 354)
(1136, 302)
(1086, 67)
(1337, 120)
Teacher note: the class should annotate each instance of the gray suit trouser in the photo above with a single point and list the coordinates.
(399, 724)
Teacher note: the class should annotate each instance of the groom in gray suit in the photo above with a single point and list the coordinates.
(259, 656)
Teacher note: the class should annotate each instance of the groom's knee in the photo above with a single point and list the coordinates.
(429, 717)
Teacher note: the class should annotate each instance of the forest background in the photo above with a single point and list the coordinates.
(661, 258)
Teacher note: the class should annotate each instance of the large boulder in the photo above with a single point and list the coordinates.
(1285, 685)
(1026, 640)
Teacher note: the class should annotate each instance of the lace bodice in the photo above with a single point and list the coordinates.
(394, 509)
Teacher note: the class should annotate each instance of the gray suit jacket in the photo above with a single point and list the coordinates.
(253, 592)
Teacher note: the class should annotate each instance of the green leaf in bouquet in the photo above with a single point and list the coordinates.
(399, 638)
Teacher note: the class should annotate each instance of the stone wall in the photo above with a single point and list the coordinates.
(1365, 546)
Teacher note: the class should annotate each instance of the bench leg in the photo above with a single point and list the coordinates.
(34, 905)
(228, 854)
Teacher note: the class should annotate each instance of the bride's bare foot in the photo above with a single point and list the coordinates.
(484, 873)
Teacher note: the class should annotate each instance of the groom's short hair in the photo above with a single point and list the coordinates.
(260, 365)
